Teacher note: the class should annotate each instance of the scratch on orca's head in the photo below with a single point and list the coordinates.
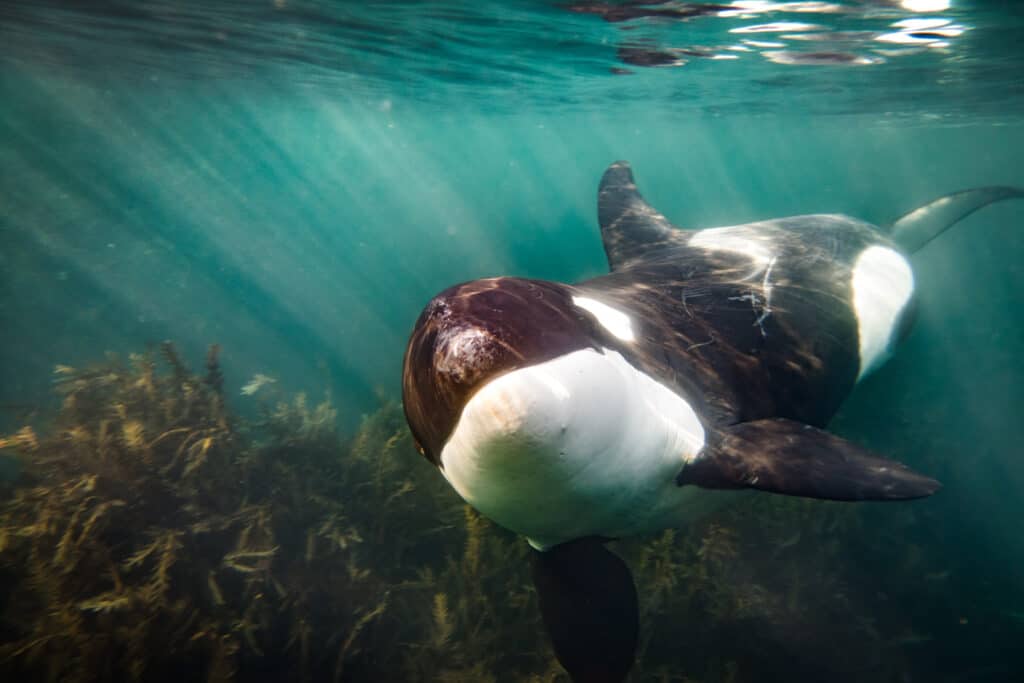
(473, 332)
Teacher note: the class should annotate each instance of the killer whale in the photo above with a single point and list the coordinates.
(705, 361)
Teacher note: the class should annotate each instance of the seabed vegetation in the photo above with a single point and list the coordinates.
(153, 535)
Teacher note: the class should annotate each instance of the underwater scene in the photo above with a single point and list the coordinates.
(403, 341)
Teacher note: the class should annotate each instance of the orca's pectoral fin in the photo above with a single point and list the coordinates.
(795, 459)
(629, 225)
(589, 605)
(919, 227)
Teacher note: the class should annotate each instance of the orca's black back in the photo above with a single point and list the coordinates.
(745, 339)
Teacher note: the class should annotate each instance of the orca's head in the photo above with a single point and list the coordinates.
(521, 392)
(472, 333)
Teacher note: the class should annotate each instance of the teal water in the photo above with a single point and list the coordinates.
(294, 181)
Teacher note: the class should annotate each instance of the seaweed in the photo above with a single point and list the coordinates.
(138, 549)
(155, 535)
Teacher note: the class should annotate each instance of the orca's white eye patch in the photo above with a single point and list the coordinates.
(613, 320)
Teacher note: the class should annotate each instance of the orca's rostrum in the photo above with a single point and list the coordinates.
(705, 361)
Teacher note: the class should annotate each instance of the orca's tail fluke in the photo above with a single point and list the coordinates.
(919, 227)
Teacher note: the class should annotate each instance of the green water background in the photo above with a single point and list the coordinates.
(304, 229)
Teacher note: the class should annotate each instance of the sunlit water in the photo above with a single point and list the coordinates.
(931, 57)
(294, 180)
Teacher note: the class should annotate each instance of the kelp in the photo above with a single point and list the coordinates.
(154, 535)
(142, 544)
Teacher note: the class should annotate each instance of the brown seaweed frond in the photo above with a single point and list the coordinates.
(133, 434)
(474, 529)
(145, 373)
(299, 423)
(223, 665)
(215, 591)
(339, 531)
(98, 513)
(194, 447)
(112, 601)
(214, 376)
(361, 623)
(443, 622)
(173, 360)
(196, 456)
(478, 672)
(249, 561)
(166, 554)
(140, 556)
(663, 568)
(24, 438)
(718, 545)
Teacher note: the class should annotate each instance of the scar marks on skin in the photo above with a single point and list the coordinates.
(760, 304)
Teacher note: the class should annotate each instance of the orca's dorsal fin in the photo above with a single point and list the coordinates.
(795, 459)
(919, 227)
(629, 225)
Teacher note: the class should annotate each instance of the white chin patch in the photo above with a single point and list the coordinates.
(882, 285)
(581, 445)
